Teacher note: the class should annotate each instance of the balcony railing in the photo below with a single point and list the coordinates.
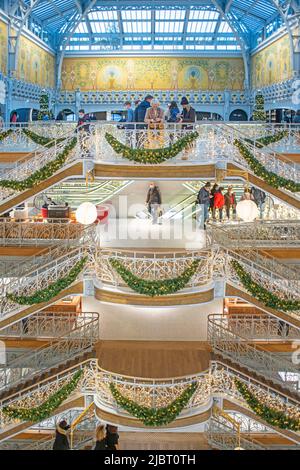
(231, 344)
(266, 233)
(78, 340)
(32, 232)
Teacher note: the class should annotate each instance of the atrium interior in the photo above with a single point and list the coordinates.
(149, 225)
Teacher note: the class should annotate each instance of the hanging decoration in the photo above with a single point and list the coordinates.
(41, 140)
(154, 416)
(259, 113)
(261, 293)
(259, 170)
(44, 295)
(44, 173)
(5, 134)
(270, 415)
(154, 288)
(268, 139)
(151, 156)
(45, 410)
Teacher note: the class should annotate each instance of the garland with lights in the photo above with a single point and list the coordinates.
(44, 295)
(152, 156)
(41, 140)
(259, 113)
(154, 416)
(270, 415)
(5, 134)
(263, 295)
(154, 288)
(259, 170)
(268, 139)
(45, 410)
(41, 175)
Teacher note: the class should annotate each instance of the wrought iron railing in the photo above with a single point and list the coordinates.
(266, 233)
(233, 345)
(79, 340)
(222, 436)
(36, 232)
(149, 265)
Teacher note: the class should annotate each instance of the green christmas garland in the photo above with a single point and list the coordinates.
(41, 175)
(152, 156)
(154, 288)
(270, 415)
(44, 295)
(45, 410)
(263, 295)
(268, 139)
(41, 140)
(154, 416)
(5, 134)
(259, 170)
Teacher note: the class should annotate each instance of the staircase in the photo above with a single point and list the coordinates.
(271, 160)
(242, 351)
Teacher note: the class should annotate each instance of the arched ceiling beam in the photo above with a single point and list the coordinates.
(83, 7)
(223, 7)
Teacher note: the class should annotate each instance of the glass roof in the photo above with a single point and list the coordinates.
(153, 25)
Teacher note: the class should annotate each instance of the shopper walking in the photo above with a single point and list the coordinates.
(259, 198)
(154, 201)
(230, 202)
(203, 199)
(219, 202)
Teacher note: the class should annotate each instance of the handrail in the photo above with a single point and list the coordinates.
(76, 421)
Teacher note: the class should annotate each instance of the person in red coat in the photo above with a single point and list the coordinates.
(219, 202)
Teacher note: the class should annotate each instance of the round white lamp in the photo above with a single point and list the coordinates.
(86, 213)
(247, 210)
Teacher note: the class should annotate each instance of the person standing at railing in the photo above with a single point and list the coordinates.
(188, 113)
(154, 117)
(230, 202)
(112, 437)
(203, 199)
(153, 202)
(61, 437)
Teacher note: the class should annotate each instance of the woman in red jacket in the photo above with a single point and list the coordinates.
(219, 202)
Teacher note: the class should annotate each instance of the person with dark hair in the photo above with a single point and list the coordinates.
(129, 112)
(141, 109)
(230, 202)
(112, 437)
(173, 114)
(203, 198)
(259, 197)
(213, 192)
(296, 118)
(219, 202)
(60, 116)
(83, 122)
(61, 438)
(188, 113)
(153, 201)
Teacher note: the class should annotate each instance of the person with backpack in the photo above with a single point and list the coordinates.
(259, 197)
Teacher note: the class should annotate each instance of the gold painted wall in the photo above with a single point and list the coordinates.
(3, 47)
(272, 64)
(35, 65)
(157, 73)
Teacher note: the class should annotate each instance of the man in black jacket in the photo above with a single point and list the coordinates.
(153, 201)
(203, 198)
(141, 109)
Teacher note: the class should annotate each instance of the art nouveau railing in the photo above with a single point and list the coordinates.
(78, 340)
(266, 233)
(231, 344)
(154, 266)
(219, 381)
(260, 327)
(46, 325)
(222, 436)
(271, 160)
(33, 232)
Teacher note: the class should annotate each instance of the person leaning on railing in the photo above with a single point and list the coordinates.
(61, 438)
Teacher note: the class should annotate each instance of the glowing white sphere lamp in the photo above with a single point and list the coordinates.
(247, 210)
(86, 213)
